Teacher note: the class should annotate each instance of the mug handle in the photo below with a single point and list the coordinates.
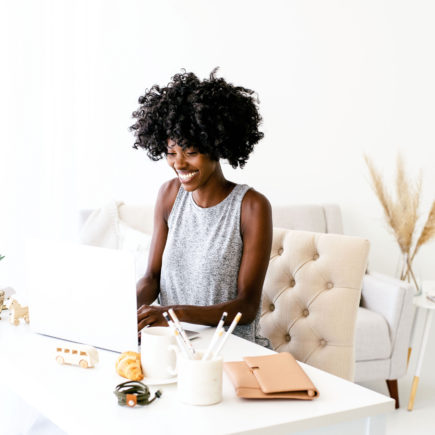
(173, 370)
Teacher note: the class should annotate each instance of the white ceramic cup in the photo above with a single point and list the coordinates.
(199, 382)
(157, 356)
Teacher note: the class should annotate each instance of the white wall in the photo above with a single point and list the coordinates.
(335, 79)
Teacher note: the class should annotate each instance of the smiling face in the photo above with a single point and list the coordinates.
(193, 169)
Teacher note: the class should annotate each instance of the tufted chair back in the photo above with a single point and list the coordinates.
(311, 295)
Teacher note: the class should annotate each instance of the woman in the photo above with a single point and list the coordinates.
(212, 238)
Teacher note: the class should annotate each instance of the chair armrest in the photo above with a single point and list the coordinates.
(390, 297)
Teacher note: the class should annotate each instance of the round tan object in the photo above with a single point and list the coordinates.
(128, 366)
(83, 364)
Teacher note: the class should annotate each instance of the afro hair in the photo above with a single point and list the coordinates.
(212, 116)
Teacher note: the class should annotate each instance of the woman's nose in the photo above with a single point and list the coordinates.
(179, 161)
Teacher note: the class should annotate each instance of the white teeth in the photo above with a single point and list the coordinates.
(185, 177)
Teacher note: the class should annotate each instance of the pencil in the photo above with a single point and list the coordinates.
(174, 329)
(185, 338)
(217, 334)
(229, 332)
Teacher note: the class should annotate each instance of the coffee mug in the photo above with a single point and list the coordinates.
(199, 382)
(157, 357)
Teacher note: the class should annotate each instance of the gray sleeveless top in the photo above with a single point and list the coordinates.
(201, 260)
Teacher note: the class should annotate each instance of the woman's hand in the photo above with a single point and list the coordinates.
(150, 315)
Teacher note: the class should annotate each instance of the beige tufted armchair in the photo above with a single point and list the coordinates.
(384, 317)
(311, 296)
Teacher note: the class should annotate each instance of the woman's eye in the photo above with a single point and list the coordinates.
(192, 153)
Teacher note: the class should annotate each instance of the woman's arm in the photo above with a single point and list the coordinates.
(148, 287)
(256, 231)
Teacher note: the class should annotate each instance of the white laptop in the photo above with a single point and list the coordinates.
(82, 293)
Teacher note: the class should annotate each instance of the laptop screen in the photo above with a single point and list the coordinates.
(82, 293)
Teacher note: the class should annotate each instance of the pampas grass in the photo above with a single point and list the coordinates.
(428, 231)
(402, 213)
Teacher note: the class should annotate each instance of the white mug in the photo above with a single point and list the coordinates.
(157, 357)
(199, 382)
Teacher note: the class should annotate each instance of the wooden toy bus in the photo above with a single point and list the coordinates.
(84, 356)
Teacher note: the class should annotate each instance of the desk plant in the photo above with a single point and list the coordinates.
(402, 214)
(2, 293)
(5, 292)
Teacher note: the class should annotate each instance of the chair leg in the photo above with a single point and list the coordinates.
(409, 356)
(393, 390)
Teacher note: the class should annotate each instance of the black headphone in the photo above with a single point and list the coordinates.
(134, 393)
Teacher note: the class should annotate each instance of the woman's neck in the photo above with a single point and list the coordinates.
(214, 191)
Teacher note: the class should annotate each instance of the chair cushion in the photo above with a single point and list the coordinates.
(310, 297)
(372, 337)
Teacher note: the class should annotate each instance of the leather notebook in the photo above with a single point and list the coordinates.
(277, 376)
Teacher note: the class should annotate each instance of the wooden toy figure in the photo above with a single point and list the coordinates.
(5, 295)
(2, 299)
(17, 312)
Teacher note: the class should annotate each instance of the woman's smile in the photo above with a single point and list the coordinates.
(186, 176)
(193, 169)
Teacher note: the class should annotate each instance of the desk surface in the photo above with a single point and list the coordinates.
(81, 401)
(423, 302)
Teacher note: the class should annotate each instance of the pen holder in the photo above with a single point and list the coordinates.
(199, 382)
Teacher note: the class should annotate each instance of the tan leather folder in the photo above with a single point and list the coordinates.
(277, 376)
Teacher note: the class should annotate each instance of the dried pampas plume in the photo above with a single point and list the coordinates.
(402, 213)
(428, 231)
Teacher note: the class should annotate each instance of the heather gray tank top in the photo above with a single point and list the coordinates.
(201, 260)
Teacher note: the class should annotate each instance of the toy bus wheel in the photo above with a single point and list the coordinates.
(59, 359)
(83, 364)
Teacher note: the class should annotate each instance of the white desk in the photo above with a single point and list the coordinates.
(81, 401)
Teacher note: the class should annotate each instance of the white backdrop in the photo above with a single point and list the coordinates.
(335, 79)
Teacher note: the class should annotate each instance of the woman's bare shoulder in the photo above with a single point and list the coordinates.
(255, 202)
(256, 213)
(169, 188)
(166, 197)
